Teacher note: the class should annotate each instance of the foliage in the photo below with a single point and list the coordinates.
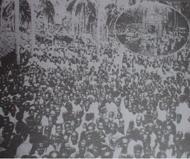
(7, 11)
(86, 7)
(112, 14)
(48, 11)
(25, 12)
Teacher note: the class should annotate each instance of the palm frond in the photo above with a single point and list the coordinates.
(8, 9)
(25, 11)
(48, 10)
(51, 7)
(91, 7)
(71, 5)
(79, 8)
(38, 14)
(91, 18)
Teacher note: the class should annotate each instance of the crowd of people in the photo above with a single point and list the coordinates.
(150, 42)
(80, 100)
(164, 45)
(152, 29)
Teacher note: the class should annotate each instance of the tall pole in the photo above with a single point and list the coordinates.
(1, 15)
(97, 21)
(33, 20)
(17, 32)
(99, 24)
(1, 22)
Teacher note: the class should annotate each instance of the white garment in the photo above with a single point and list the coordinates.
(49, 149)
(113, 138)
(111, 107)
(94, 109)
(153, 140)
(127, 116)
(60, 119)
(184, 125)
(76, 108)
(24, 148)
(162, 114)
(131, 146)
(63, 110)
(117, 152)
(12, 119)
(26, 115)
(53, 131)
(1, 111)
(1, 137)
(44, 121)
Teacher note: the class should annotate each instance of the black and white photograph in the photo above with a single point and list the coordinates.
(94, 78)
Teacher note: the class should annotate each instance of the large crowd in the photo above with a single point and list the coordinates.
(150, 42)
(78, 100)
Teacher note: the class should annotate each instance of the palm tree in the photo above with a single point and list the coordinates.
(1, 2)
(8, 14)
(99, 13)
(22, 16)
(85, 8)
(7, 10)
(102, 29)
(112, 14)
(47, 10)
(33, 26)
(25, 13)
(17, 30)
(8, 40)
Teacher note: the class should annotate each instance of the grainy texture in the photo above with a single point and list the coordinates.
(94, 78)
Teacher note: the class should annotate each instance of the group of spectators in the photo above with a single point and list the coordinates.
(150, 42)
(80, 100)
(164, 45)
